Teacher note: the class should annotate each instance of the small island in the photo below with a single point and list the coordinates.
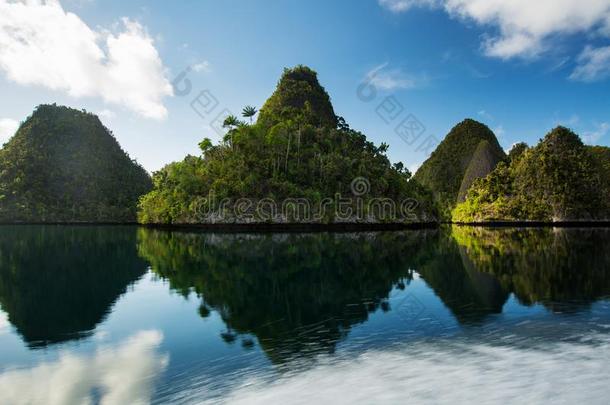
(297, 164)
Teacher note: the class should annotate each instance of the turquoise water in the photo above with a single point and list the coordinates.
(121, 315)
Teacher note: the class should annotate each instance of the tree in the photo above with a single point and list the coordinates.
(249, 112)
(205, 145)
(288, 153)
(230, 122)
(63, 165)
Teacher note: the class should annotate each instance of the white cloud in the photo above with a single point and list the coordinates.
(522, 28)
(42, 44)
(121, 375)
(485, 115)
(569, 122)
(389, 79)
(593, 65)
(592, 137)
(202, 67)
(499, 131)
(403, 5)
(415, 167)
(8, 127)
(106, 114)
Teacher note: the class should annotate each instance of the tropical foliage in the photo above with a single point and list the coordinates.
(63, 165)
(558, 180)
(469, 151)
(297, 149)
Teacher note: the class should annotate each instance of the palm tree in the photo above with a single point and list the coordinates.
(249, 112)
(230, 122)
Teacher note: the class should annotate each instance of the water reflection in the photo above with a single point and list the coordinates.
(563, 269)
(470, 295)
(57, 283)
(300, 294)
(115, 375)
(294, 293)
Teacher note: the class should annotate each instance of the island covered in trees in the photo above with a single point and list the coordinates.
(297, 162)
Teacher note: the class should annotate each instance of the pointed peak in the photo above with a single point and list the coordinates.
(562, 135)
(299, 96)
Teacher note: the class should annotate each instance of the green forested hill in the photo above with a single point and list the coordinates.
(471, 149)
(63, 165)
(560, 179)
(298, 148)
(298, 96)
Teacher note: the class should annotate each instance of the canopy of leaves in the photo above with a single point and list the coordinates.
(63, 165)
(298, 94)
(297, 149)
(517, 150)
(558, 180)
(444, 171)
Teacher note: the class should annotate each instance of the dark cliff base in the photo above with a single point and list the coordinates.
(535, 224)
(295, 227)
(257, 227)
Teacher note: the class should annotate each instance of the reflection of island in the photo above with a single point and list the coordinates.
(470, 294)
(296, 293)
(566, 268)
(58, 283)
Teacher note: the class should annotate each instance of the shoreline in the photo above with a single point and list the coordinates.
(318, 227)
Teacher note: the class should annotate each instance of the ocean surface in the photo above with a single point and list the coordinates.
(129, 315)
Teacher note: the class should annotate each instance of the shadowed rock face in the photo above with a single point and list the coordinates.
(484, 160)
(57, 283)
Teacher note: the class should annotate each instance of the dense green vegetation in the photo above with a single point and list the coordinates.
(63, 165)
(560, 179)
(305, 163)
(469, 151)
(298, 148)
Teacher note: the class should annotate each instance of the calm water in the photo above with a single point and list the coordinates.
(123, 315)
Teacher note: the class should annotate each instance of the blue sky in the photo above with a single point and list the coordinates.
(520, 68)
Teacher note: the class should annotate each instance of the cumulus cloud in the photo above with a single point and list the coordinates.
(389, 79)
(42, 44)
(119, 375)
(521, 28)
(403, 5)
(593, 65)
(202, 67)
(485, 115)
(8, 127)
(592, 137)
